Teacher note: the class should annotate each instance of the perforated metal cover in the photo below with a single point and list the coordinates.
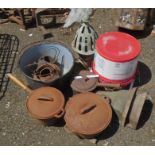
(84, 41)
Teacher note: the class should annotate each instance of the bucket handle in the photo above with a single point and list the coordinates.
(110, 85)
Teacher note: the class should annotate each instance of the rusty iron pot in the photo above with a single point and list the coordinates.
(46, 103)
(55, 50)
(87, 115)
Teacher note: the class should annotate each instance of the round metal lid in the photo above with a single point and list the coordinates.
(45, 102)
(118, 46)
(84, 84)
(87, 113)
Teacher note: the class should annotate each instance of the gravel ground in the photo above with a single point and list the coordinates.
(18, 128)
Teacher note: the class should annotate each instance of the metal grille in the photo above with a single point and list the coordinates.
(8, 50)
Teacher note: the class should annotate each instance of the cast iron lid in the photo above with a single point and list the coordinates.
(118, 46)
(45, 102)
(87, 113)
(85, 84)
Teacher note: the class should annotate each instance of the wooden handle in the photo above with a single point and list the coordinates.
(19, 83)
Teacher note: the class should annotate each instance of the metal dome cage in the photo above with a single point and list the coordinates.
(84, 41)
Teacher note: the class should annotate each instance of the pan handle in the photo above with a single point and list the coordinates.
(19, 83)
(88, 109)
(60, 114)
(117, 86)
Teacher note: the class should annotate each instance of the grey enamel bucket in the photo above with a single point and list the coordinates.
(33, 52)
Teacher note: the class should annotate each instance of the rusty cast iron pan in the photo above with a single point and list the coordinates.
(87, 114)
(89, 84)
(43, 103)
